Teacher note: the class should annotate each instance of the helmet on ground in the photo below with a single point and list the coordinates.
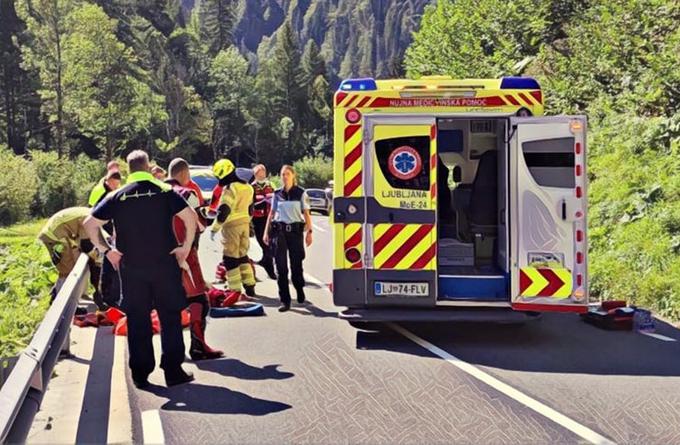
(223, 168)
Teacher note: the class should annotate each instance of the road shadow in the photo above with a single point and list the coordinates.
(557, 343)
(207, 399)
(94, 414)
(309, 309)
(240, 370)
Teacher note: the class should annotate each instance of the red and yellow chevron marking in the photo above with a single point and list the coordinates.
(545, 282)
(404, 246)
(353, 237)
(433, 166)
(347, 100)
(353, 145)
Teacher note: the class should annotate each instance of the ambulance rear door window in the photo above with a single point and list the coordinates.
(405, 161)
(551, 161)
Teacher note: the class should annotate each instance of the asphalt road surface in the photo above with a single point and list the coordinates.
(306, 376)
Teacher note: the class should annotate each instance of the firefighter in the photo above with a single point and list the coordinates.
(263, 198)
(192, 277)
(288, 220)
(65, 239)
(233, 218)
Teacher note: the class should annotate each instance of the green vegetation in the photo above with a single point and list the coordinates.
(250, 80)
(616, 61)
(26, 276)
(44, 184)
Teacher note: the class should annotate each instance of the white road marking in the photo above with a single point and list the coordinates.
(531, 403)
(120, 418)
(658, 336)
(152, 427)
(311, 279)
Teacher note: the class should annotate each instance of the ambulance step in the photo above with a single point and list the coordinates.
(441, 314)
(479, 287)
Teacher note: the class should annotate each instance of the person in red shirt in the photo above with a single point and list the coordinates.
(192, 277)
(261, 208)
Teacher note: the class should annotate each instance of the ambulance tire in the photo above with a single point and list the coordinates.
(238, 310)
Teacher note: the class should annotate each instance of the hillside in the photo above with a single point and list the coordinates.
(356, 37)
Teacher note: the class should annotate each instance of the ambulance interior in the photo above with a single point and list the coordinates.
(472, 196)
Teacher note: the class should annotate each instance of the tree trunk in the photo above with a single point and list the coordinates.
(59, 124)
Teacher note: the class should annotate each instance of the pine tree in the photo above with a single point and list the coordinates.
(286, 84)
(46, 23)
(216, 21)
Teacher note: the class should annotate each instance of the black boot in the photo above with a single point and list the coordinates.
(301, 296)
(178, 377)
(250, 291)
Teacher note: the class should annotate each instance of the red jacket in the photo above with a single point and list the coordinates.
(263, 199)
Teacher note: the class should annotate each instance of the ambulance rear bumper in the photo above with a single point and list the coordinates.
(440, 314)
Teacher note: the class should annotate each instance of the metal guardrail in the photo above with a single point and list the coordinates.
(23, 391)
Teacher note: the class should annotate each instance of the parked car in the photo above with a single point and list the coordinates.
(318, 200)
(206, 180)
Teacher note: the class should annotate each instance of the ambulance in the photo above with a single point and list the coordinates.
(456, 198)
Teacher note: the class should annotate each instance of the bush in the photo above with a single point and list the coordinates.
(314, 172)
(63, 182)
(17, 187)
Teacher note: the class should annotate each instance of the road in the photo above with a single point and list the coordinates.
(306, 376)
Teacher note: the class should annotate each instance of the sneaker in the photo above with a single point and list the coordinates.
(284, 308)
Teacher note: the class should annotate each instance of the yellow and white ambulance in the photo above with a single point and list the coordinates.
(454, 194)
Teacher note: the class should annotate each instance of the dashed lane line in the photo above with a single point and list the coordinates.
(658, 336)
(152, 427)
(319, 228)
(531, 403)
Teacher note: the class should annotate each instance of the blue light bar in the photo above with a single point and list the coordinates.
(367, 84)
(519, 83)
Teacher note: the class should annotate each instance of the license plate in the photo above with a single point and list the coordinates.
(396, 289)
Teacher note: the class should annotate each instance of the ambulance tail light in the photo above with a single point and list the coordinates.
(580, 244)
(353, 255)
(353, 116)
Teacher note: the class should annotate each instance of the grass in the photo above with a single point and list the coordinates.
(26, 276)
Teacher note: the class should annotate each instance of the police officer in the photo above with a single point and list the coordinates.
(148, 259)
(233, 219)
(288, 220)
(264, 193)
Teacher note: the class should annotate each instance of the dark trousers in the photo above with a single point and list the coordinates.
(289, 245)
(144, 290)
(259, 225)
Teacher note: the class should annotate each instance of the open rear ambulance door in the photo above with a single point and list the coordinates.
(548, 214)
(401, 230)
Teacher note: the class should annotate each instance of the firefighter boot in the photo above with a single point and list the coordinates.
(247, 272)
(199, 349)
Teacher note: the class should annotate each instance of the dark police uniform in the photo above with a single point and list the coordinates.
(142, 212)
(288, 241)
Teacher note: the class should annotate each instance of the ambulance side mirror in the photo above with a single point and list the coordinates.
(457, 174)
